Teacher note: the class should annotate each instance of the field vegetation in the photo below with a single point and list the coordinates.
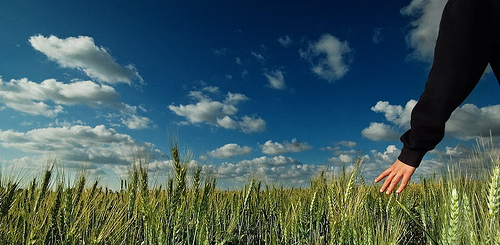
(452, 208)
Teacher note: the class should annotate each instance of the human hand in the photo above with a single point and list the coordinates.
(399, 171)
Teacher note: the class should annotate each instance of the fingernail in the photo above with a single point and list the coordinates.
(381, 190)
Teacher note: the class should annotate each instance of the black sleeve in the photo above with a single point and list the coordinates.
(463, 49)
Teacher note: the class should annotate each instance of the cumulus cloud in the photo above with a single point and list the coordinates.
(227, 122)
(343, 153)
(472, 161)
(330, 58)
(270, 162)
(285, 41)
(252, 124)
(466, 122)
(81, 53)
(271, 170)
(279, 169)
(345, 143)
(396, 114)
(235, 98)
(422, 37)
(276, 79)
(49, 98)
(380, 131)
(84, 144)
(275, 148)
(204, 111)
(137, 122)
(229, 151)
(30, 97)
(470, 122)
(211, 89)
(387, 157)
(342, 158)
(219, 113)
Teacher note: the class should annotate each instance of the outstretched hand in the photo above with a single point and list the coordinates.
(399, 171)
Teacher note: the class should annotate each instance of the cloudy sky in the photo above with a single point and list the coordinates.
(274, 90)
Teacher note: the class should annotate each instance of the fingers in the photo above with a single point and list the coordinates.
(398, 172)
(383, 175)
(395, 180)
(386, 183)
(390, 183)
(405, 180)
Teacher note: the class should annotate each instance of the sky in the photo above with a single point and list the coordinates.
(273, 90)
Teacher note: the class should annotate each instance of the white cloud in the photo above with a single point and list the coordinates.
(336, 150)
(49, 98)
(466, 122)
(270, 162)
(330, 58)
(387, 157)
(422, 37)
(198, 95)
(222, 114)
(395, 113)
(204, 111)
(137, 122)
(81, 53)
(234, 99)
(274, 170)
(275, 148)
(257, 56)
(342, 158)
(229, 151)
(252, 124)
(211, 89)
(380, 131)
(285, 41)
(344, 153)
(30, 97)
(276, 79)
(227, 122)
(84, 144)
(64, 123)
(470, 122)
(349, 144)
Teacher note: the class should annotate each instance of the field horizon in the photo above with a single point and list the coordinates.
(450, 208)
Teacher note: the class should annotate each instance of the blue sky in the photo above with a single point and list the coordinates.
(254, 89)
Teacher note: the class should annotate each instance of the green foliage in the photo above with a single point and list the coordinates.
(342, 209)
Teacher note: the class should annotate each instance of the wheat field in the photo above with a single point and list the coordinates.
(189, 209)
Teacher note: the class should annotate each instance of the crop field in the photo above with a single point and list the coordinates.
(189, 209)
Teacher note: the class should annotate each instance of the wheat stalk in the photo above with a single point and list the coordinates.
(452, 235)
(494, 193)
(45, 185)
(493, 202)
(470, 221)
(7, 199)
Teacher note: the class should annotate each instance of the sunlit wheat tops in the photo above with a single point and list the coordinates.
(451, 229)
(187, 208)
(494, 192)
